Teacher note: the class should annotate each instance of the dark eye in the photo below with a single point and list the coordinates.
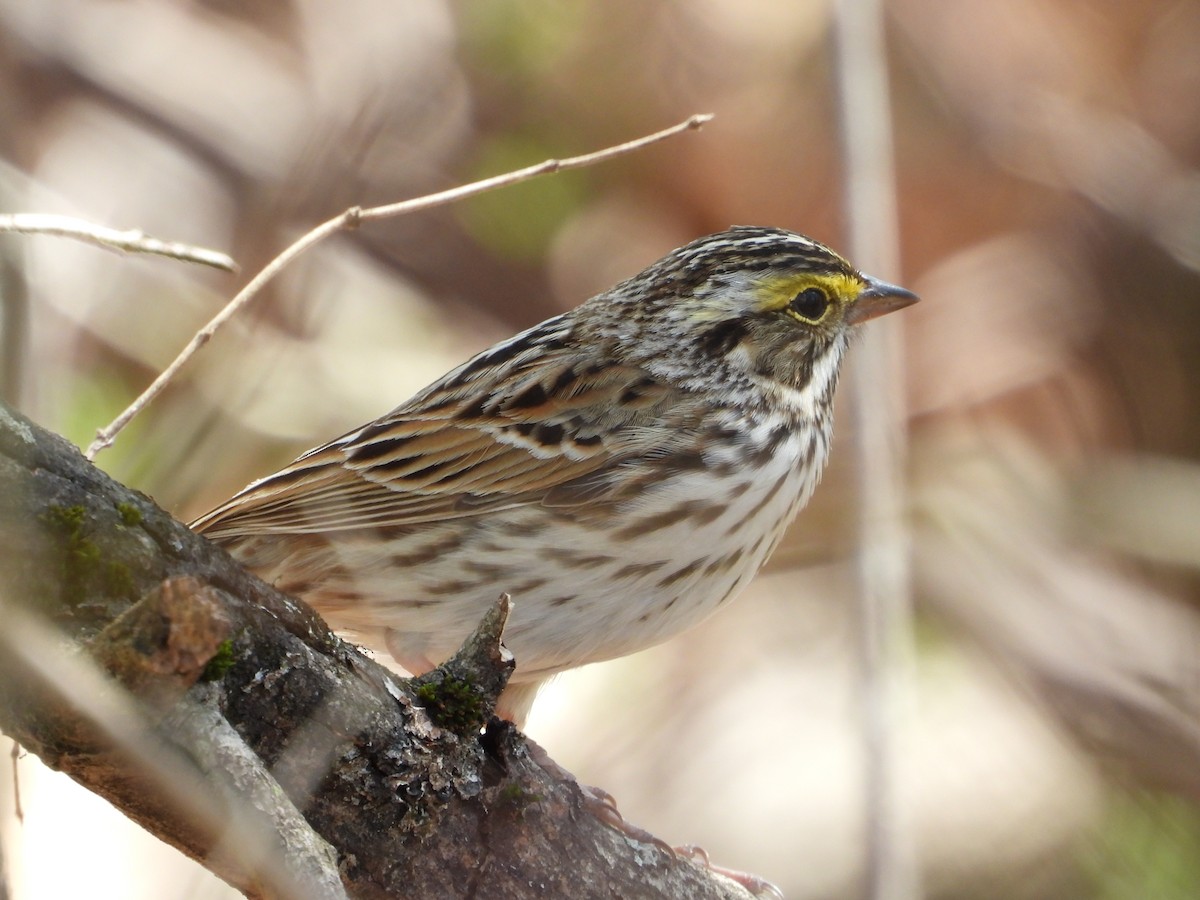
(810, 304)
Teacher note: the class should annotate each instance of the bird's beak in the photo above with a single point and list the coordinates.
(877, 299)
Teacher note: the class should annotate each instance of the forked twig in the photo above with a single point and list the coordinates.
(130, 240)
(351, 219)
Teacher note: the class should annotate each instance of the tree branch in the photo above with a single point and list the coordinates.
(229, 721)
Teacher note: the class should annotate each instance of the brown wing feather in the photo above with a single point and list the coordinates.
(446, 454)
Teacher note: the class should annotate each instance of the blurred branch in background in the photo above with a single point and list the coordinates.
(161, 773)
(884, 590)
(1112, 657)
(1053, 119)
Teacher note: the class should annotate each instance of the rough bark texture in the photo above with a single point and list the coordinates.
(228, 720)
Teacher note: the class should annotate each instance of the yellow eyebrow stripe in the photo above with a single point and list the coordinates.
(776, 292)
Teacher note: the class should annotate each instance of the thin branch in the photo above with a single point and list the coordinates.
(130, 240)
(18, 807)
(351, 219)
(543, 168)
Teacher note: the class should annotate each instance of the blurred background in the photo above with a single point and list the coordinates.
(1049, 205)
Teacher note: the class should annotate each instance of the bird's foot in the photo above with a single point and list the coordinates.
(757, 886)
(597, 801)
(601, 804)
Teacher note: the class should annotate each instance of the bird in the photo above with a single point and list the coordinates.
(622, 470)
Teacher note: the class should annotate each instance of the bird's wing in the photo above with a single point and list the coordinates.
(518, 424)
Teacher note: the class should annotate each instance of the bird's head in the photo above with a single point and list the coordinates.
(760, 303)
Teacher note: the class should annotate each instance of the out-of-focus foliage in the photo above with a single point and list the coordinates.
(1049, 200)
(1147, 848)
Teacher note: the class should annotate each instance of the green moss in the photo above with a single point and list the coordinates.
(131, 516)
(453, 704)
(221, 662)
(68, 518)
(118, 579)
(69, 521)
(515, 796)
(83, 568)
(86, 552)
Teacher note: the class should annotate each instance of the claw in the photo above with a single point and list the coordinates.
(694, 853)
(601, 804)
(757, 886)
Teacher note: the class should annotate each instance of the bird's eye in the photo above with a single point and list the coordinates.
(810, 304)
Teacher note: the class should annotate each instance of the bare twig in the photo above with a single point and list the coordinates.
(351, 219)
(543, 168)
(18, 808)
(884, 566)
(128, 241)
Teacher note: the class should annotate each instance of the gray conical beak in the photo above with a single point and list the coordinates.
(878, 298)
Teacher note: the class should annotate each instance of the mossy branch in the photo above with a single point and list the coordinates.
(229, 721)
